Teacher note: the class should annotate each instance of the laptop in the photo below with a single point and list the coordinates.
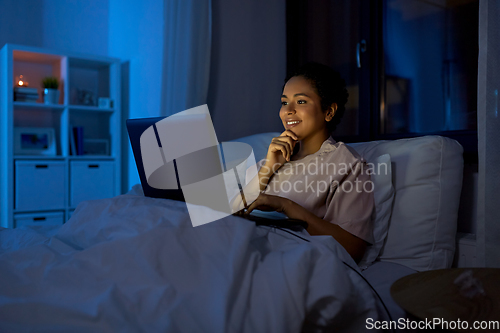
(184, 141)
(167, 173)
(135, 128)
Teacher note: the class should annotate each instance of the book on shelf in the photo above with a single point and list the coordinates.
(26, 100)
(25, 94)
(25, 90)
(77, 136)
(72, 142)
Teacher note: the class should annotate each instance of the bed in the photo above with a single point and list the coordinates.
(133, 263)
(415, 218)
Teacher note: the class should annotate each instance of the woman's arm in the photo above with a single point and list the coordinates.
(355, 246)
(280, 150)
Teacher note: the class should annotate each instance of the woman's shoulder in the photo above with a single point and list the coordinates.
(338, 151)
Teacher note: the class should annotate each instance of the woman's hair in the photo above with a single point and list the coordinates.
(329, 86)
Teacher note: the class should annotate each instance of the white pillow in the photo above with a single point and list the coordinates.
(383, 196)
(427, 179)
(259, 142)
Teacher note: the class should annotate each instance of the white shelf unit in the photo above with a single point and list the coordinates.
(41, 189)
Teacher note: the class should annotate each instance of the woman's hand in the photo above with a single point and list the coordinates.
(281, 149)
(269, 203)
(316, 226)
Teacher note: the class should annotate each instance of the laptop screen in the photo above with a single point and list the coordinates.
(178, 157)
(135, 128)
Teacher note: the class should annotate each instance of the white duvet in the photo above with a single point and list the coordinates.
(136, 264)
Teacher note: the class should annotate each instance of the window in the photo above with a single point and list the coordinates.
(430, 53)
(410, 65)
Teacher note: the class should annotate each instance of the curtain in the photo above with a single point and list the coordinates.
(186, 54)
(488, 222)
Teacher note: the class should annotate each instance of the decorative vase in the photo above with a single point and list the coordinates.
(50, 96)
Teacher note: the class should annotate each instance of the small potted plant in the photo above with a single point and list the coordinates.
(50, 92)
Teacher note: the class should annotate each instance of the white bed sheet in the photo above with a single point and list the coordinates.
(381, 276)
(133, 264)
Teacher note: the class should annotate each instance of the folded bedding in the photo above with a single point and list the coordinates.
(134, 264)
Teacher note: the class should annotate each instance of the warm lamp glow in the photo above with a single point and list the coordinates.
(21, 82)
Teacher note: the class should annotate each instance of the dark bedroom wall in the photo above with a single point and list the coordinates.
(248, 66)
(21, 22)
(68, 26)
(76, 26)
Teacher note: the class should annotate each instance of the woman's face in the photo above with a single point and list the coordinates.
(301, 108)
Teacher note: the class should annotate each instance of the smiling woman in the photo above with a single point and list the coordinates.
(302, 174)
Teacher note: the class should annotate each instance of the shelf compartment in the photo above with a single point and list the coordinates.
(35, 67)
(88, 81)
(29, 116)
(96, 126)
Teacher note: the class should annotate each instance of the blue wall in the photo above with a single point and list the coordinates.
(21, 22)
(76, 26)
(135, 35)
(126, 29)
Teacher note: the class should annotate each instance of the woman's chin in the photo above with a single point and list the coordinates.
(295, 131)
(298, 133)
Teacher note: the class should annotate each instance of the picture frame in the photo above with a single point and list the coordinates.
(105, 103)
(34, 141)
